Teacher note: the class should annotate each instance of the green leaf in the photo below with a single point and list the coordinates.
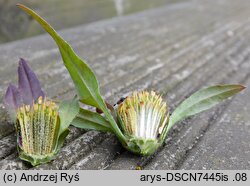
(91, 120)
(88, 125)
(202, 100)
(83, 77)
(67, 112)
(61, 140)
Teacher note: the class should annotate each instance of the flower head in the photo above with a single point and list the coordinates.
(142, 117)
(37, 128)
(40, 127)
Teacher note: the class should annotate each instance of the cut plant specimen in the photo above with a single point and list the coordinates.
(41, 125)
(141, 122)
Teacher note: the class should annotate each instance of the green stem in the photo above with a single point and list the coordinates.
(113, 124)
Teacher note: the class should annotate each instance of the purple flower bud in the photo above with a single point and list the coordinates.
(28, 84)
(12, 100)
(28, 91)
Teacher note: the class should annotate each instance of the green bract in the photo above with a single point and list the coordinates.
(143, 121)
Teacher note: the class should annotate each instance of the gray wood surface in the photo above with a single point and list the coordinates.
(174, 50)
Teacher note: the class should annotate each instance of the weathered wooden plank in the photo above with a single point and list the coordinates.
(76, 149)
(101, 156)
(6, 126)
(7, 145)
(12, 162)
(135, 52)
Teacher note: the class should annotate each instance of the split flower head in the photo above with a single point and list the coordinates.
(142, 121)
(143, 116)
(40, 130)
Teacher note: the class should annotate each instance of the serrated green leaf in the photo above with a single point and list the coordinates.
(91, 120)
(202, 100)
(83, 77)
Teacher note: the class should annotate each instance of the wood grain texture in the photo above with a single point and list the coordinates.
(174, 50)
